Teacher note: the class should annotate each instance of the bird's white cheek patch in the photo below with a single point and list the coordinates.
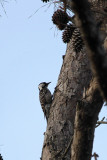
(40, 87)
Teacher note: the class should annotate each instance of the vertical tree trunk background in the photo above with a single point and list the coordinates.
(74, 76)
(76, 93)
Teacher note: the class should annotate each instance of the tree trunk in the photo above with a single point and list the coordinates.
(74, 76)
(75, 90)
(85, 122)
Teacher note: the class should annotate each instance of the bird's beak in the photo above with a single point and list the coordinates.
(48, 83)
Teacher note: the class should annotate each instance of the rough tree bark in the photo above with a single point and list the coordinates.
(86, 118)
(93, 40)
(74, 76)
(76, 93)
(87, 111)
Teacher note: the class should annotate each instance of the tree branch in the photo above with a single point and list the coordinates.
(95, 155)
(101, 122)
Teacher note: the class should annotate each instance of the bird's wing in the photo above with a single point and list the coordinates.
(48, 97)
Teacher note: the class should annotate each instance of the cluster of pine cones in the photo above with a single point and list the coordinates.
(60, 18)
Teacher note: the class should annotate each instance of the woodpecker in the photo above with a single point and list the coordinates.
(45, 98)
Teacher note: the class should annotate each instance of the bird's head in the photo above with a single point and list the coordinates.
(43, 85)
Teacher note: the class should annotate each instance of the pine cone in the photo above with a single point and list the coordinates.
(60, 18)
(45, 1)
(77, 41)
(67, 34)
(1, 158)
